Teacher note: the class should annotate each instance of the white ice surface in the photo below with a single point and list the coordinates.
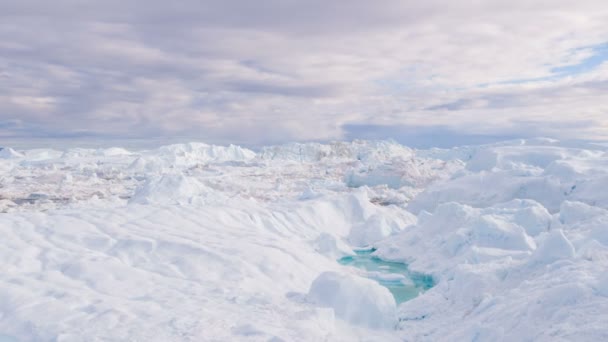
(359, 301)
(194, 242)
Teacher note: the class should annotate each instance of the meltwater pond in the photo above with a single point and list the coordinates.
(403, 284)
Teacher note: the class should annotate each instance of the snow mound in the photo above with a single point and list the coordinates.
(495, 232)
(113, 151)
(147, 165)
(531, 215)
(169, 189)
(455, 233)
(517, 157)
(400, 172)
(187, 156)
(555, 246)
(42, 154)
(575, 212)
(378, 227)
(367, 151)
(360, 301)
(192, 153)
(598, 230)
(549, 175)
(602, 285)
(75, 153)
(9, 153)
(329, 246)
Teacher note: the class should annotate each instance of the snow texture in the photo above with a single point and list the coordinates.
(196, 242)
(357, 300)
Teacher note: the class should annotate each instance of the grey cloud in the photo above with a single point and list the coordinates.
(270, 71)
(513, 98)
(442, 136)
(298, 16)
(426, 136)
(287, 90)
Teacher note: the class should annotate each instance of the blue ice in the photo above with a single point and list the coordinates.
(403, 284)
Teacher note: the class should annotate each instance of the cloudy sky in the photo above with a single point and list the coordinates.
(270, 71)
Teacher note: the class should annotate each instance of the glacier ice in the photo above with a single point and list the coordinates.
(357, 300)
(203, 242)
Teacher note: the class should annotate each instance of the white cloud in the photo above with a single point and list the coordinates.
(270, 71)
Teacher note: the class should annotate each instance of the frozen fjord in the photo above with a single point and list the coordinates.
(201, 242)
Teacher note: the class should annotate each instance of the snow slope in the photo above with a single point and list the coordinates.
(195, 242)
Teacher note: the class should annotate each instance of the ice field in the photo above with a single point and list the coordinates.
(345, 241)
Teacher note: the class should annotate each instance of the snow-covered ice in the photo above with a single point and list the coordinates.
(195, 242)
(355, 299)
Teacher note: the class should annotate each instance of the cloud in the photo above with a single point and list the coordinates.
(271, 71)
(425, 136)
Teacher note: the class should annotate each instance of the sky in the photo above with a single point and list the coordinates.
(271, 71)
